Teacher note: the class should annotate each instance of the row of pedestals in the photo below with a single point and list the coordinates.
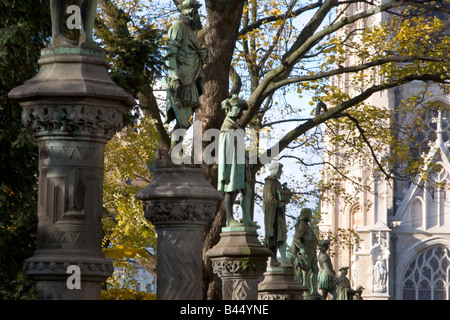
(179, 202)
(73, 108)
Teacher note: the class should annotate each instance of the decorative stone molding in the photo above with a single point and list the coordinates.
(226, 267)
(87, 269)
(179, 202)
(279, 296)
(72, 119)
(167, 212)
(279, 284)
(239, 259)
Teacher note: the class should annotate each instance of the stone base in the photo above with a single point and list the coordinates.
(307, 296)
(279, 284)
(239, 259)
(179, 202)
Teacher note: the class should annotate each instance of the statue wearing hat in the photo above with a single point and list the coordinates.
(185, 59)
(88, 10)
(344, 289)
(275, 197)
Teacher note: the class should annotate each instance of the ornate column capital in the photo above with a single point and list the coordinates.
(179, 194)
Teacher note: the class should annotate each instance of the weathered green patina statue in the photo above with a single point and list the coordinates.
(327, 276)
(344, 289)
(343, 285)
(185, 59)
(231, 157)
(88, 10)
(275, 197)
(303, 249)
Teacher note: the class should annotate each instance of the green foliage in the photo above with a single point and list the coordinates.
(133, 45)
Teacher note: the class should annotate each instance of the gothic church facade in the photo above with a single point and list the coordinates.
(405, 231)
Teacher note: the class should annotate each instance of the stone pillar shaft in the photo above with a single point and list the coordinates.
(180, 263)
(179, 202)
(72, 108)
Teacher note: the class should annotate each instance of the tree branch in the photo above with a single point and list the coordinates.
(336, 111)
(256, 24)
(363, 136)
(273, 87)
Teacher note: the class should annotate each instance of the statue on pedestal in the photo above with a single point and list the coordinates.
(303, 249)
(88, 10)
(185, 59)
(231, 159)
(344, 289)
(275, 197)
(327, 276)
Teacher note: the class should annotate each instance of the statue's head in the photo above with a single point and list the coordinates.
(234, 106)
(343, 270)
(305, 214)
(276, 169)
(189, 9)
(323, 244)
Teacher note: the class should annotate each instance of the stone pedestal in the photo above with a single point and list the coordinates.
(280, 284)
(73, 108)
(239, 260)
(179, 202)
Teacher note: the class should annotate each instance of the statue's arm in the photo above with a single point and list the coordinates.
(174, 36)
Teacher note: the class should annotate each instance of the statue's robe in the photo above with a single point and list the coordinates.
(231, 157)
(274, 215)
(184, 64)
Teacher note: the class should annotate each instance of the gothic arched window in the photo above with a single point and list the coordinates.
(428, 276)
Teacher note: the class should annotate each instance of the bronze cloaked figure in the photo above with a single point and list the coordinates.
(275, 197)
(185, 60)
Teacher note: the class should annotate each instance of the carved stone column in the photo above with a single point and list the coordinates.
(179, 202)
(239, 260)
(73, 108)
(280, 284)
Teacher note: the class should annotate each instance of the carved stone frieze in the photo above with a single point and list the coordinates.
(166, 212)
(37, 267)
(224, 267)
(279, 296)
(74, 119)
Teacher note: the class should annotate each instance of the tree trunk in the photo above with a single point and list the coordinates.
(219, 35)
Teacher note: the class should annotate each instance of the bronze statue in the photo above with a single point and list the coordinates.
(185, 59)
(303, 249)
(343, 285)
(88, 10)
(344, 289)
(231, 158)
(327, 276)
(275, 197)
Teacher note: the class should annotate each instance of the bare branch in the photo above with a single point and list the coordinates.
(351, 69)
(336, 111)
(256, 24)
